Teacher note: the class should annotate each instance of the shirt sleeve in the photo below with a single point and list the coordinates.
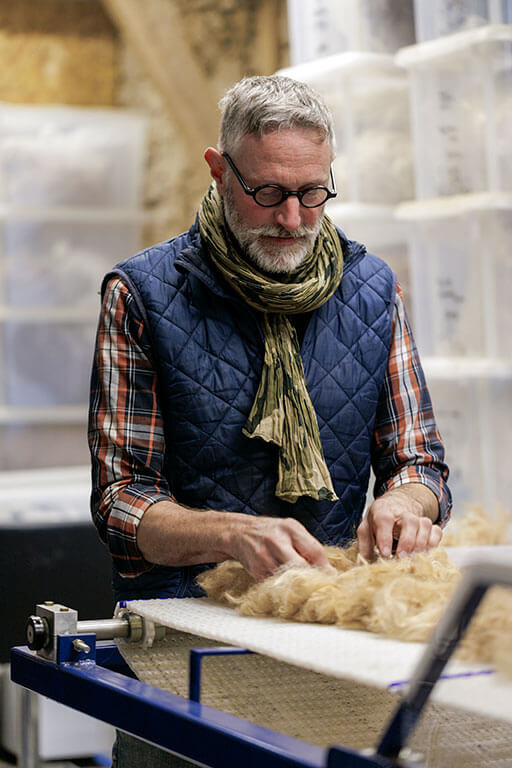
(407, 446)
(126, 438)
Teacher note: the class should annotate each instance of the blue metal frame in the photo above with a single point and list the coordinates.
(178, 725)
(196, 657)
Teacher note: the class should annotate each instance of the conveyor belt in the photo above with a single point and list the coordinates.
(361, 657)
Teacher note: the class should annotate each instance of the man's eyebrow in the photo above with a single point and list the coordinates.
(306, 185)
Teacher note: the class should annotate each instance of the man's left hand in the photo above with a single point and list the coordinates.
(400, 522)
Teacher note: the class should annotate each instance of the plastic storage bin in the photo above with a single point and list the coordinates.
(70, 195)
(66, 156)
(461, 272)
(368, 96)
(320, 28)
(435, 18)
(461, 109)
(382, 234)
(56, 257)
(46, 360)
(50, 438)
(473, 406)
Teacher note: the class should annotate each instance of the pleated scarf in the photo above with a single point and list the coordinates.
(282, 412)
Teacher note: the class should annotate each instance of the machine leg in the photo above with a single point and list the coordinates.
(28, 751)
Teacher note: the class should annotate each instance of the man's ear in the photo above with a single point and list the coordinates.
(217, 167)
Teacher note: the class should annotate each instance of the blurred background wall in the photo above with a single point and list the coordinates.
(90, 53)
(163, 63)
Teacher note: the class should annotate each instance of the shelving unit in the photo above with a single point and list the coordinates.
(458, 231)
(321, 28)
(443, 221)
(70, 197)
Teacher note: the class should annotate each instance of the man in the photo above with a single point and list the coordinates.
(250, 371)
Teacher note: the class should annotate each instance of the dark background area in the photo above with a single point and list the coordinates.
(67, 564)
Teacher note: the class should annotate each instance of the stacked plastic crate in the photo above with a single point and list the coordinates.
(345, 49)
(70, 196)
(430, 122)
(459, 231)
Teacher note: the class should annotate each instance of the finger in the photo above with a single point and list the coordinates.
(408, 531)
(261, 566)
(365, 540)
(305, 553)
(313, 553)
(423, 535)
(384, 533)
(284, 552)
(436, 534)
(294, 559)
(306, 546)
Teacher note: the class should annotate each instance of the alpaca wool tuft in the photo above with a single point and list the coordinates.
(402, 598)
(478, 528)
(377, 597)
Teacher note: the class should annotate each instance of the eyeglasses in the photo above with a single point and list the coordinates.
(269, 195)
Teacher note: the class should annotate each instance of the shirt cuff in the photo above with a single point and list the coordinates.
(426, 476)
(127, 510)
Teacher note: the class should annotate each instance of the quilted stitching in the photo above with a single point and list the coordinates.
(209, 349)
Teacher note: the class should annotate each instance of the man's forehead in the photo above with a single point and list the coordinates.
(282, 135)
(290, 147)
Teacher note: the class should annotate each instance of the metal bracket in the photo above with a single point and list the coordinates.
(53, 621)
(76, 648)
(196, 657)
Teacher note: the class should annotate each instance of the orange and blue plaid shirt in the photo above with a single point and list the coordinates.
(126, 436)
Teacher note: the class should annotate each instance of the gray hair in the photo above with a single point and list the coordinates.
(257, 105)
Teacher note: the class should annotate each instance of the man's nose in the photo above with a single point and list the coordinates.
(288, 213)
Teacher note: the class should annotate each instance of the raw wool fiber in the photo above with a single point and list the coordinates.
(478, 528)
(351, 593)
(402, 598)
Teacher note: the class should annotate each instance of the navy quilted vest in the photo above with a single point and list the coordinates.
(207, 347)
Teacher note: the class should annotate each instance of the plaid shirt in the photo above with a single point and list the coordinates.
(126, 434)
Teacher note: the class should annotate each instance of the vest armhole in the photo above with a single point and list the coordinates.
(392, 299)
(143, 316)
(116, 272)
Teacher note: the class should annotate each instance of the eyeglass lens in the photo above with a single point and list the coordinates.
(270, 195)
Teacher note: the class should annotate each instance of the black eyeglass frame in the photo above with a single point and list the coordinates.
(285, 193)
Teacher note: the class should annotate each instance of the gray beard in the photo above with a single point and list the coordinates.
(269, 258)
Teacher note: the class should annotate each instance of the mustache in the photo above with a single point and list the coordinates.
(270, 230)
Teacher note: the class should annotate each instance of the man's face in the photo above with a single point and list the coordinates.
(277, 239)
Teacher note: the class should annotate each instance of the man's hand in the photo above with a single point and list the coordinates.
(403, 516)
(170, 534)
(263, 544)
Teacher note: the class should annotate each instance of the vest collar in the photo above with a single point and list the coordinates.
(193, 259)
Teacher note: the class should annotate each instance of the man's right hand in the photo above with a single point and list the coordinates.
(264, 544)
(170, 534)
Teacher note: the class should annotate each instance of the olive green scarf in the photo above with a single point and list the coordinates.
(282, 412)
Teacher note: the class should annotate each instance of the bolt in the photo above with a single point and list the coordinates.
(79, 646)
